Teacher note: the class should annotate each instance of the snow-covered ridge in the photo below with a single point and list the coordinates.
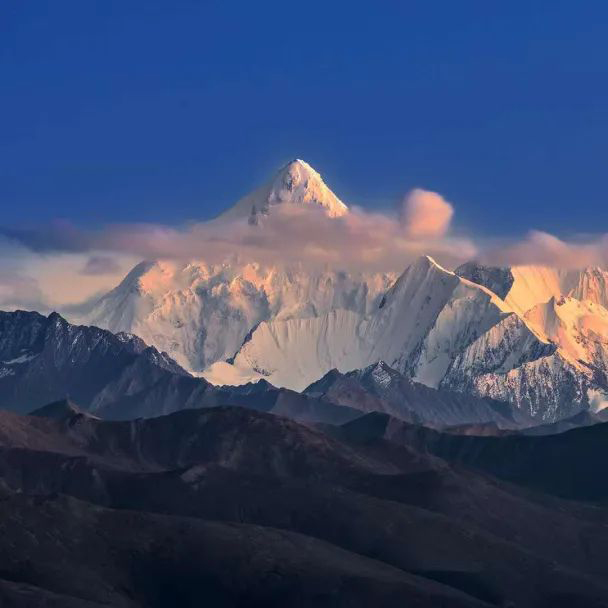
(523, 287)
(428, 316)
(201, 313)
(448, 332)
(578, 327)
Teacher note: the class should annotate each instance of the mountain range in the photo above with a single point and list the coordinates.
(116, 376)
(534, 337)
(243, 508)
(241, 434)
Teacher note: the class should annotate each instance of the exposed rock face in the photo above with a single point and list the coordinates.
(498, 280)
(46, 359)
(43, 359)
(382, 389)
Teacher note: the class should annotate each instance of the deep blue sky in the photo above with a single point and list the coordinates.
(116, 110)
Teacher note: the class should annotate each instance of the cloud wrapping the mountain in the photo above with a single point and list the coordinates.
(19, 291)
(425, 214)
(290, 234)
(544, 249)
(88, 261)
(100, 265)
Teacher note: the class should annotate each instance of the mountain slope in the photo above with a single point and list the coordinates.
(369, 521)
(46, 359)
(579, 327)
(565, 464)
(382, 389)
(551, 384)
(421, 324)
(119, 377)
(86, 554)
(490, 332)
(450, 333)
(200, 312)
(43, 359)
(523, 287)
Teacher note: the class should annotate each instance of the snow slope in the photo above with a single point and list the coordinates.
(200, 313)
(447, 332)
(579, 327)
(428, 316)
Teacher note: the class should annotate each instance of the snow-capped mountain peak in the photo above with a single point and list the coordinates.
(297, 183)
(578, 327)
(533, 336)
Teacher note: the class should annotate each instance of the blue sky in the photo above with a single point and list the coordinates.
(166, 111)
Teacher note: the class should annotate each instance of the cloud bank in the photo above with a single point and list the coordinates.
(98, 265)
(20, 291)
(290, 234)
(62, 263)
(544, 249)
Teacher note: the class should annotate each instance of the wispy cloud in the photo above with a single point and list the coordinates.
(98, 265)
(47, 280)
(290, 234)
(20, 291)
(544, 249)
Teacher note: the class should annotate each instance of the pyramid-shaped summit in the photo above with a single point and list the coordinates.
(297, 183)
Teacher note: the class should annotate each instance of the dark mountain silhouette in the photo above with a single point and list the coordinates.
(567, 464)
(116, 376)
(381, 388)
(236, 507)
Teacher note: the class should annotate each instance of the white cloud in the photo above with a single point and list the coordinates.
(98, 265)
(20, 291)
(544, 249)
(425, 214)
(47, 281)
(291, 233)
